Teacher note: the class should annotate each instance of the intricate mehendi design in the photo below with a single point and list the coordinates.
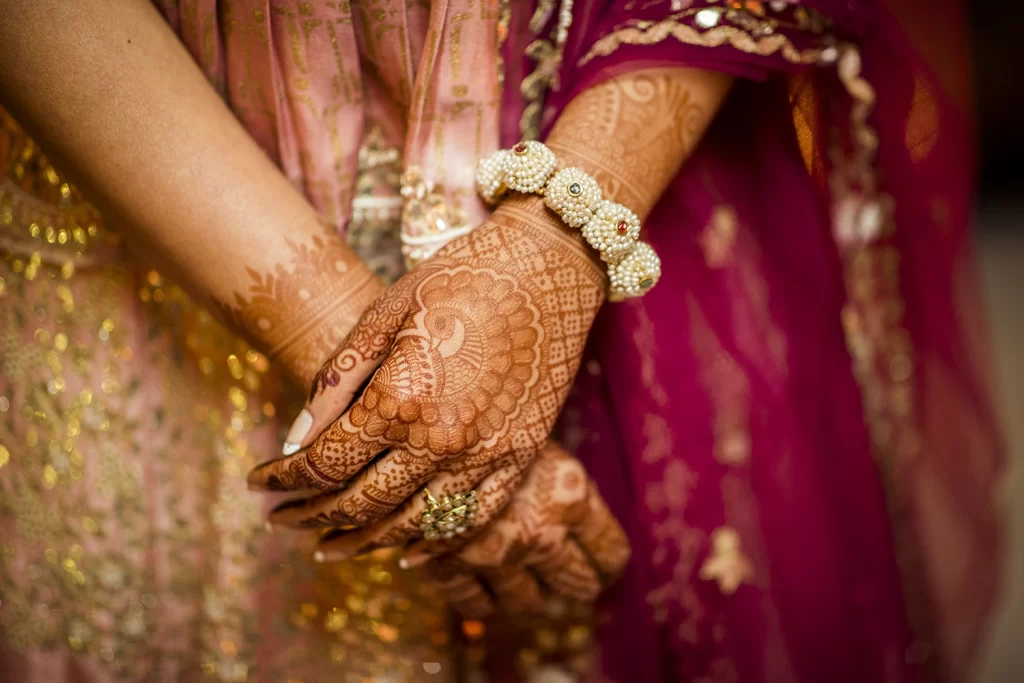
(489, 337)
(462, 366)
(557, 528)
(478, 347)
(608, 130)
(368, 342)
(300, 311)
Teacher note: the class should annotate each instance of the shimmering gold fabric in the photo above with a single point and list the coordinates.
(130, 548)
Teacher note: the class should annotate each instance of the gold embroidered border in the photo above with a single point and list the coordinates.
(547, 55)
(651, 33)
(881, 348)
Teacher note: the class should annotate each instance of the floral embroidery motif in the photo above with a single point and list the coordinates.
(719, 236)
(726, 564)
(880, 345)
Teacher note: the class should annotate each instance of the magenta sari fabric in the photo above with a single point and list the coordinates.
(795, 425)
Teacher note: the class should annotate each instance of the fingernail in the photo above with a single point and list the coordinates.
(319, 556)
(413, 559)
(297, 433)
(268, 526)
(338, 547)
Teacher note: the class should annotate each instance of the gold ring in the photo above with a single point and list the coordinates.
(448, 516)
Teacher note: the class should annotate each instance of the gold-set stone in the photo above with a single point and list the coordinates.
(610, 228)
(527, 166)
(448, 516)
(613, 231)
(573, 195)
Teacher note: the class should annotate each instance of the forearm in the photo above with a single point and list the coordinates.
(118, 104)
(634, 132)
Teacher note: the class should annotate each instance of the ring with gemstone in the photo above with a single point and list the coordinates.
(448, 516)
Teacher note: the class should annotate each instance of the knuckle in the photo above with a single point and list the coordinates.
(589, 591)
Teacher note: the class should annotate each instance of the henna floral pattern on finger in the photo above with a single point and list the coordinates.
(368, 341)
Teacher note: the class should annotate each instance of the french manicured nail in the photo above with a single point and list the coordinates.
(338, 546)
(414, 558)
(268, 526)
(319, 556)
(298, 431)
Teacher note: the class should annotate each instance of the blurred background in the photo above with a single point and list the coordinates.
(999, 82)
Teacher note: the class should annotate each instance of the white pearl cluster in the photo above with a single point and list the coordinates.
(637, 272)
(612, 230)
(527, 166)
(572, 194)
(490, 176)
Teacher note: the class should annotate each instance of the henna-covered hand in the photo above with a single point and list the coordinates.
(476, 349)
(557, 536)
(480, 345)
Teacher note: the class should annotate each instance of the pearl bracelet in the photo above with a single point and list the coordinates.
(610, 228)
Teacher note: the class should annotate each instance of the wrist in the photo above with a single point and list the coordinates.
(611, 229)
(322, 321)
(531, 208)
(525, 217)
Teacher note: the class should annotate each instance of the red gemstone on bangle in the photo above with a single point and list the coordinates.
(520, 148)
(622, 228)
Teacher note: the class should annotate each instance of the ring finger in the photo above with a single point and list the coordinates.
(405, 523)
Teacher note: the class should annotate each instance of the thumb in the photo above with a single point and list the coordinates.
(344, 374)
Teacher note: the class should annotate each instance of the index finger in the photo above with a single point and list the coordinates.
(346, 452)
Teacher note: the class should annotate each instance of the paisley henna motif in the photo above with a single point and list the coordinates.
(460, 369)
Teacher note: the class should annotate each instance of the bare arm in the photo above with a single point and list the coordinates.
(117, 102)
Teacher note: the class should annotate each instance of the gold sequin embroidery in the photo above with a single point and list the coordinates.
(750, 27)
(726, 564)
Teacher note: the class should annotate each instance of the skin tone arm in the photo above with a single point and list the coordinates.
(118, 104)
(524, 289)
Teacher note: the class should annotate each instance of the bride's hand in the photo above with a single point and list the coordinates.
(557, 537)
(474, 352)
